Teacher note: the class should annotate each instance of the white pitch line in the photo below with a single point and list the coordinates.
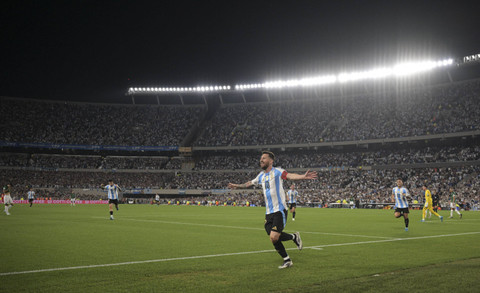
(349, 235)
(243, 228)
(316, 247)
(395, 239)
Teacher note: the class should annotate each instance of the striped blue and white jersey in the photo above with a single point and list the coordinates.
(31, 194)
(112, 191)
(400, 197)
(272, 184)
(292, 196)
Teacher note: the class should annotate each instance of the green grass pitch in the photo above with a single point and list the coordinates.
(59, 248)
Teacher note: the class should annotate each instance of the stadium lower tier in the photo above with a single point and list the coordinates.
(366, 186)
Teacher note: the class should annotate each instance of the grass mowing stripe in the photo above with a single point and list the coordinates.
(316, 247)
(244, 228)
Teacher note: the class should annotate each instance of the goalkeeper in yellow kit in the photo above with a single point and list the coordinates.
(428, 204)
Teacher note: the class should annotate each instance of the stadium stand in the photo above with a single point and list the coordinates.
(32, 121)
(359, 171)
(441, 109)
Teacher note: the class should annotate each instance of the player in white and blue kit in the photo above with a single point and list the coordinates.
(399, 195)
(292, 200)
(112, 191)
(31, 196)
(271, 180)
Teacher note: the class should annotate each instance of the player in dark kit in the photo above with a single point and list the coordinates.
(435, 200)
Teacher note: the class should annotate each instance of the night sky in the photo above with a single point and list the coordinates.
(95, 50)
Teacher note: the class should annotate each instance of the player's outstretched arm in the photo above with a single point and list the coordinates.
(240, 186)
(308, 175)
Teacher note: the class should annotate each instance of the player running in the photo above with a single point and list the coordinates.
(271, 180)
(292, 200)
(399, 195)
(7, 198)
(453, 204)
(31, 196)
(112, 190)
(428, 204)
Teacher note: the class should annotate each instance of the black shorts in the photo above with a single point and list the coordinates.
(292, 205)
(114, 201)
(30, 200)
(402, 211)
(276, 221)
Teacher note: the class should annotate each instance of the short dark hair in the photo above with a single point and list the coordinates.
(270, 154)
(110, 180)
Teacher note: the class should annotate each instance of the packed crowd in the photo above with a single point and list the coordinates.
(61, 161)
(298, 159)
(86, 180)
(315, 159)
(372, 186)
(49, 161)
(415, 112)
(134, 162)
(95, 124)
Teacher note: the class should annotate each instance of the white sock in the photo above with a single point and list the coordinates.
(451, 213)
(6, 209)
(457, 212)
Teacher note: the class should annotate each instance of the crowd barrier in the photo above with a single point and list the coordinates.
(61, 201)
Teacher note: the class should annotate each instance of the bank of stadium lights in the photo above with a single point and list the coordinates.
(399, 70)
(198, 89)
(471, 58)
(312, 81)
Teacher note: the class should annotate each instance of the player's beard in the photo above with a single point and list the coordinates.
(265, 166)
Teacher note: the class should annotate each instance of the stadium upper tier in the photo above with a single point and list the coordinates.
(95, 124)
(431, 110)
(407, 112)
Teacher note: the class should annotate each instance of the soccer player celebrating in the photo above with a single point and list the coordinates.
(31, 196)
(292, 200)
(428, 204)
(112, 190)
(399, 195)
(453, 204)
(271, 180)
